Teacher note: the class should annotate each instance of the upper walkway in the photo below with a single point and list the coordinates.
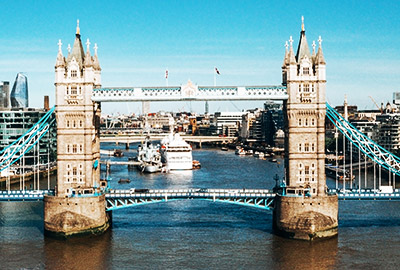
(190, 92)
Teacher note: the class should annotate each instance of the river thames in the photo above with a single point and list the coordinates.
(199, 234)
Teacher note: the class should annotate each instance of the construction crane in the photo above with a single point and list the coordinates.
(373, 100)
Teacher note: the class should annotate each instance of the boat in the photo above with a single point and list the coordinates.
(274, 160)
(124, 180)
(224, 148)
(176, 153)
(261, 155)
(149, 157)
(240, 151)
(249, 152)
(196, 164)
(118, 153)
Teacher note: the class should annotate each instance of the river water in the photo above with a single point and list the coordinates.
(202, 235)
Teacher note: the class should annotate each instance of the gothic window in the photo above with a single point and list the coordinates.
(74, 73)
(306, 147)
(74, 90)
(300, 148)
(312, 147)
(313, 190)
(306, 170)
(74, 148)
(312, 88)
(79, 90)
(67, 123)
(299, 121)
(306, 88)
(312, 121)
(80, 123)
(306, 70)
(80, 148)
(74, 124)
(306, 122)
(68, 148)
(74, 171)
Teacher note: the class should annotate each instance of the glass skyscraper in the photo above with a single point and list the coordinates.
(4, 95)
(19, 92)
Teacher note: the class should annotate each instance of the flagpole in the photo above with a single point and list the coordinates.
(215, 77)
(166, 77)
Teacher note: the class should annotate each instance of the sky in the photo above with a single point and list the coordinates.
(139, 40)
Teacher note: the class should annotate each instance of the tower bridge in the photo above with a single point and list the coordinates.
(303, 207)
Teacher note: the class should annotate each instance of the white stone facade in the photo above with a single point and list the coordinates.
(305, 78)
(78, 119)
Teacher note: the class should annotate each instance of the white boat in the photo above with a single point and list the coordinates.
(240, 151)
(176, 153)
(149, 157)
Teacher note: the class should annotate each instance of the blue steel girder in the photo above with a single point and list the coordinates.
(375, 152)
(119, 203)
(25, 142)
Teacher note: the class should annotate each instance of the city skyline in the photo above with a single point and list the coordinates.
(138, 41)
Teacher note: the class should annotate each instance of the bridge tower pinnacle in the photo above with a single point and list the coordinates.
(79, 205)
(306, 201)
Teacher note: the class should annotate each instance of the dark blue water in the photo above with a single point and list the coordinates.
(200, 234)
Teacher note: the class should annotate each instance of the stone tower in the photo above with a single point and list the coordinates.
(305, 210)
(79, 203)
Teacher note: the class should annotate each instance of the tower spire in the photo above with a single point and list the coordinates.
(302, 24)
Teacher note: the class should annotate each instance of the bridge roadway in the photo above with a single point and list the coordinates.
(159, 137)
(259, 198)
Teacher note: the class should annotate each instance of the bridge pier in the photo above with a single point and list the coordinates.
(127, 146)
(68, 216)
(306, 218)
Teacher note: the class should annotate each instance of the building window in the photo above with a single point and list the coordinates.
(306, 122)
(80, 148)
(74, 171)
(74, 90)
(312, 147)
(306, 70)
(74, 124)
(67, 123)
(306, 147)
(312, 121)
(80, 123)
(74, 73)
(299, 121)
(74, 148)
(306, 170)
(68, 149)
(300, 149)
(306, 88)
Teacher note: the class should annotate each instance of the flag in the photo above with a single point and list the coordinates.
(216, 70)
(166, 74)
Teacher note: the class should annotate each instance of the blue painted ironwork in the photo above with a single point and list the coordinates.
(374, 151)
(262, 199)
(25, 142)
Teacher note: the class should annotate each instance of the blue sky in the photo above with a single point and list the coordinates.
(138, 40)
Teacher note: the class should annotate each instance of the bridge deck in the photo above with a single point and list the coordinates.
(156, 195)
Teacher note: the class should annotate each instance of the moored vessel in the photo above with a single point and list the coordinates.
(176, 153)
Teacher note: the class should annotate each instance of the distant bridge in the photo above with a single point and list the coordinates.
(159, 137)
